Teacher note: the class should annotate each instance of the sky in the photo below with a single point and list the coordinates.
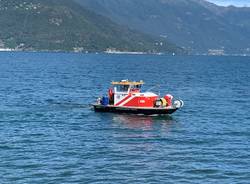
(231, 2)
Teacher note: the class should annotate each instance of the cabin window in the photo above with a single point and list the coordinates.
(135, 87)
(138, 86)
(122, 88)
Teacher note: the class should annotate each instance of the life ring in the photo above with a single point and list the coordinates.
(182, 103)
(178, 103)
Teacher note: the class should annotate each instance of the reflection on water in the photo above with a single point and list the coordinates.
(143, 122)
(141, 134)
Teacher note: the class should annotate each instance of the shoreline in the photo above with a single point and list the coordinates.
(5, 50)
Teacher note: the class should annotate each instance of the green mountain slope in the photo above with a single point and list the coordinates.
(196, 25)
(64, 25)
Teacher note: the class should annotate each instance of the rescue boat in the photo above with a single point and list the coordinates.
(126, 97)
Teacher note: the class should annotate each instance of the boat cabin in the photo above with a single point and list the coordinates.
(128, 93)
(126, 86)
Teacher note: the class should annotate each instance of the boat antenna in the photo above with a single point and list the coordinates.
(159, 92)
(156, 86)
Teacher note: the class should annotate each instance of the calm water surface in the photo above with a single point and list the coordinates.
(48, 133)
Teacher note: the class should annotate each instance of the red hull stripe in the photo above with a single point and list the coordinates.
(127, 101)
(123, 100)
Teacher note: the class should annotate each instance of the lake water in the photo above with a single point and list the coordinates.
(49, 134)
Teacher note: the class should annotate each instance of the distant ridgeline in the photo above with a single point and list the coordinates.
(196, 25)
(63, 25)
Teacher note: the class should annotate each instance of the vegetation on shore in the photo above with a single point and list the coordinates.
(62, 25)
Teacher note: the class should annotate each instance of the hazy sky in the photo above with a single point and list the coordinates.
(232, 2)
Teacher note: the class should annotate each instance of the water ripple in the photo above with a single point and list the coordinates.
(49, 134)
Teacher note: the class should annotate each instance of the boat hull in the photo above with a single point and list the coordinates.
(134, 110)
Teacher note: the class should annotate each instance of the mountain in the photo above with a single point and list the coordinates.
(239, 3)
(65, 26)
(196, 25)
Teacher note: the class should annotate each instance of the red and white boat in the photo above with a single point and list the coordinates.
(126, 97)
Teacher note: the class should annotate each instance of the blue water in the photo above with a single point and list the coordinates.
(48, 133)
